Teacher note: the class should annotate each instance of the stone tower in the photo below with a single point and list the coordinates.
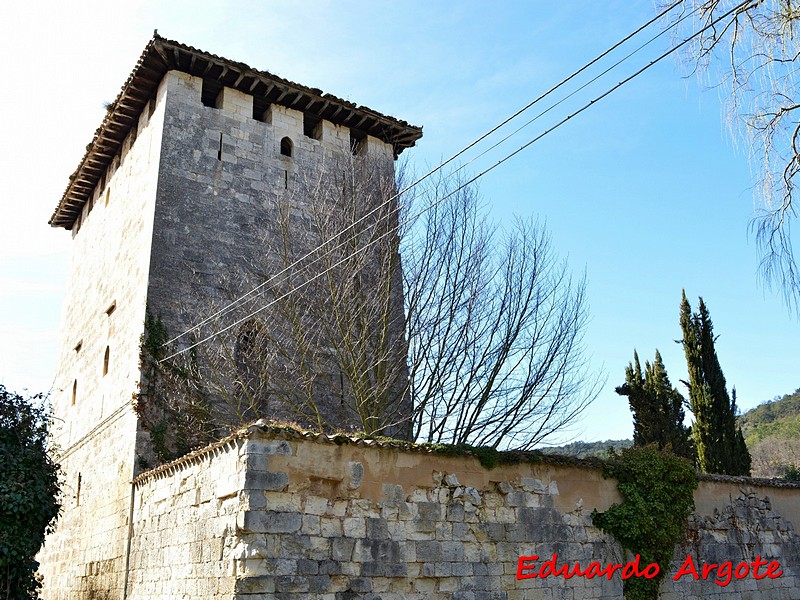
(198, 159)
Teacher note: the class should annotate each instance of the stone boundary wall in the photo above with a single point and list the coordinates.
(273, 514)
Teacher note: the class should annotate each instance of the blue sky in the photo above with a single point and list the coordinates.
(646, 191)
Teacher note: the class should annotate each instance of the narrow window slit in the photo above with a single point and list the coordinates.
(219, 152)
(106, 356)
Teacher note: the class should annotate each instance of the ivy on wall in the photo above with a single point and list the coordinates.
(171, 407)
(657, 488)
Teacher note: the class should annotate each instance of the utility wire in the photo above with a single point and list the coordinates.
(465, 184)
(234, 303)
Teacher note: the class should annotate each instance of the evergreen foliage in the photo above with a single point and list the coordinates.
(719, 442)
(657, 490)
(29, 489)
(657, 408)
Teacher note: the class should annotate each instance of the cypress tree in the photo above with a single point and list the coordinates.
(719, 442)
(657, 408)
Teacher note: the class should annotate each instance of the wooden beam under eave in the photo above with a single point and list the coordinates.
(270, 87)
(160, 51)
(103, 145)
(350, 115)
(283, 94)
(128, 113)
(149, 75)
(129, 106)
(96, 166)
(139, 90)
(103, 137)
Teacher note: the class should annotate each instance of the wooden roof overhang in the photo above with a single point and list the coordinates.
(162, 55)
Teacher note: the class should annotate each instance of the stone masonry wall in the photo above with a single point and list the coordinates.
(272, 514)
(180, 208)
(185, 529)
(104, 308)
(224, 189)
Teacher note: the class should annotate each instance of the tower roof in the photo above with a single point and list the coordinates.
(162, 55)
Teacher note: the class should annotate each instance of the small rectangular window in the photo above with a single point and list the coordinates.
(210, 94)
(261, 110)
(312, 126)
(111, 308)
(357, 143)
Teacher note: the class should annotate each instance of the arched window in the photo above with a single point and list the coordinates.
(74, 391)
(246, 351)
(252, 369)
(286, 147)
(105, 360)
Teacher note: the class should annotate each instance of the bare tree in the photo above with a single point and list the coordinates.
(495, 325)
(774, 455)
(327, 348)
(754, 54)
(476, 340)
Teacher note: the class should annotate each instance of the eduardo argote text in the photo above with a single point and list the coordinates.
(529, 567)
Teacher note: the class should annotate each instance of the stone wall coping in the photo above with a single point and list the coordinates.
(264, 428)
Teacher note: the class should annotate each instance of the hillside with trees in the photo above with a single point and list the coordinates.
(772, 433)
(588, 449)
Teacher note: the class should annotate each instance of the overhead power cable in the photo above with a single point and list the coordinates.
(248, 295)
(432, 205)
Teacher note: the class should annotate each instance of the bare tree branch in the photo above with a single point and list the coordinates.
(495, 325)
(755, 56)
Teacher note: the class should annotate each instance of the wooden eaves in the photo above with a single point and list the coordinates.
(162, 55)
